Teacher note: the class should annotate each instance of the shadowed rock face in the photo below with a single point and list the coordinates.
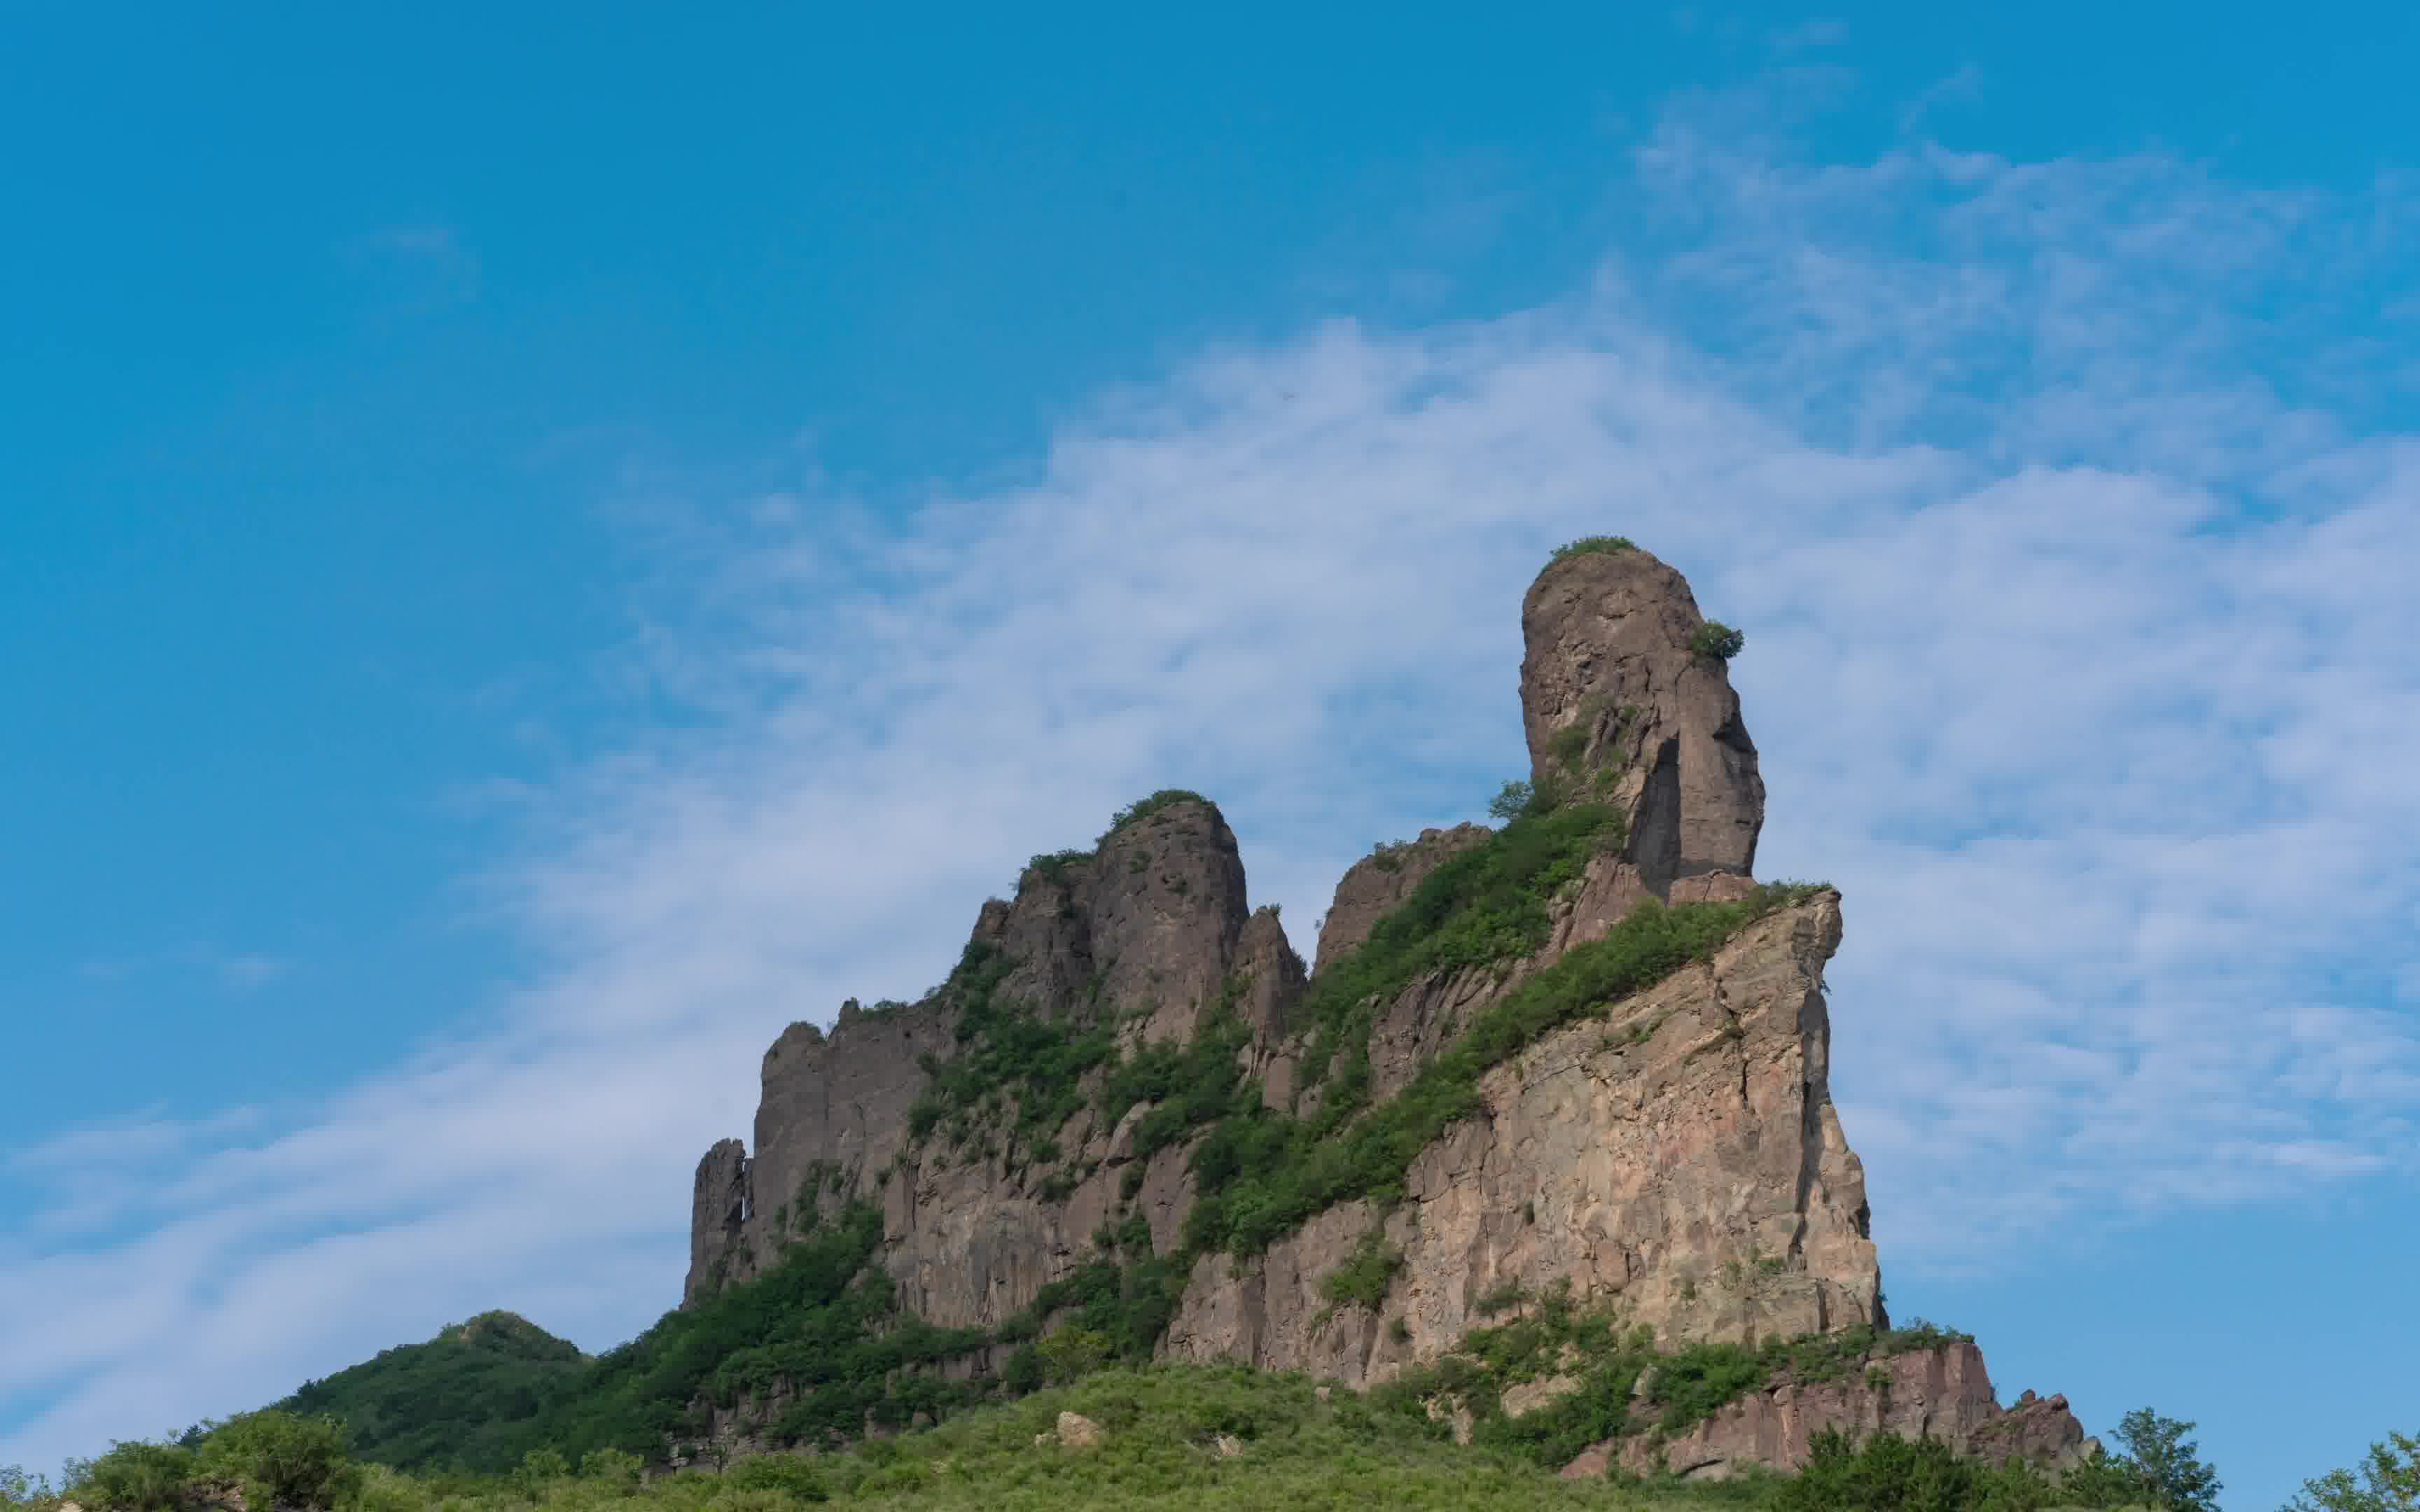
(1676, 1158)
(1606, 639)
(1154, 924)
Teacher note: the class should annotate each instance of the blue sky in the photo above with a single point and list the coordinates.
(535, 552)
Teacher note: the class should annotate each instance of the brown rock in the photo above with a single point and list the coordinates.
(1375, 884)
(1679, 1159)
(1077, 1431)
(1675, 1157)
(1528, 1396)
(1607, 637)
(718, 1215)
(1273, 981)
(1942, 1392)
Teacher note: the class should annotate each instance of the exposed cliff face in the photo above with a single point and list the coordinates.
(1671, 1154)
(1376, 885)
(1678, 1159)
(1609, 685)
(1941, 1394)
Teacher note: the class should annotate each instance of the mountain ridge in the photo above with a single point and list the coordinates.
(1561, 1081)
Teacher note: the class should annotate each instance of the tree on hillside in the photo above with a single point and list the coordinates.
(2158, 1464)
(2390, 1482)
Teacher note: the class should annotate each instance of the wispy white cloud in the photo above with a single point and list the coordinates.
(2078, 653)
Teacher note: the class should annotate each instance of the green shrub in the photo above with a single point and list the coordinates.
(1056, 867)
(283, 1460)
(612, 1467)
(135, 1476)
(1142, 809)
(1717, 639)
(2390, 1482)
(1501, 1299)
(1072, 1352)
(1889, 1473)
(1587, 545)
(1023, 1373)
(21, 1487)
(786, 1474)
(1364, 1278)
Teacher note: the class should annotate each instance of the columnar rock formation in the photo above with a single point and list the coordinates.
(1675, 1157)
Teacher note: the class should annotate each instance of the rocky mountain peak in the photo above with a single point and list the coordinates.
(1579, 1061)
(1622, 699)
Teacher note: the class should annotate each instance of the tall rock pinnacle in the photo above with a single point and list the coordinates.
(1615, 702)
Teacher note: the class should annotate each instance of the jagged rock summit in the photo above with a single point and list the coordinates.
(1582, 1057)
(1610, 678)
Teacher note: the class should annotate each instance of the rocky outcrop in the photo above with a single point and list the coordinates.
(1375, 885)
(1679, 1160)
(1150, 927)
(1672, 1156)
(1614, 699)
(1942, 1392)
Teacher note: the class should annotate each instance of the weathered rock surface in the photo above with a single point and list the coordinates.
(1374, 885)
(1607, 652)
(1676, 1159)
(1942, 1394)
(1679, 1160)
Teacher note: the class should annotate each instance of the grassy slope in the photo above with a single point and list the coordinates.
(1158, 1449)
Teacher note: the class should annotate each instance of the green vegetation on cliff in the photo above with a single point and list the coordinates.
(818, 1348)
(1553, 1337)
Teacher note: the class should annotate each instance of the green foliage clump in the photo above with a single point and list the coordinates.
(785, 1477)
(1587, 545)
(273, 1458)
(1553, 1336)
(1889, 1473)
(1056, 866)
(1366, 1273)
(1717, 639)
(824, 1320)
(2155, 1465)
(1007, 1052)
(1299, 1167)
(1479, 906)
(1142, 809)
(2389, 1482)
(136, 1477)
